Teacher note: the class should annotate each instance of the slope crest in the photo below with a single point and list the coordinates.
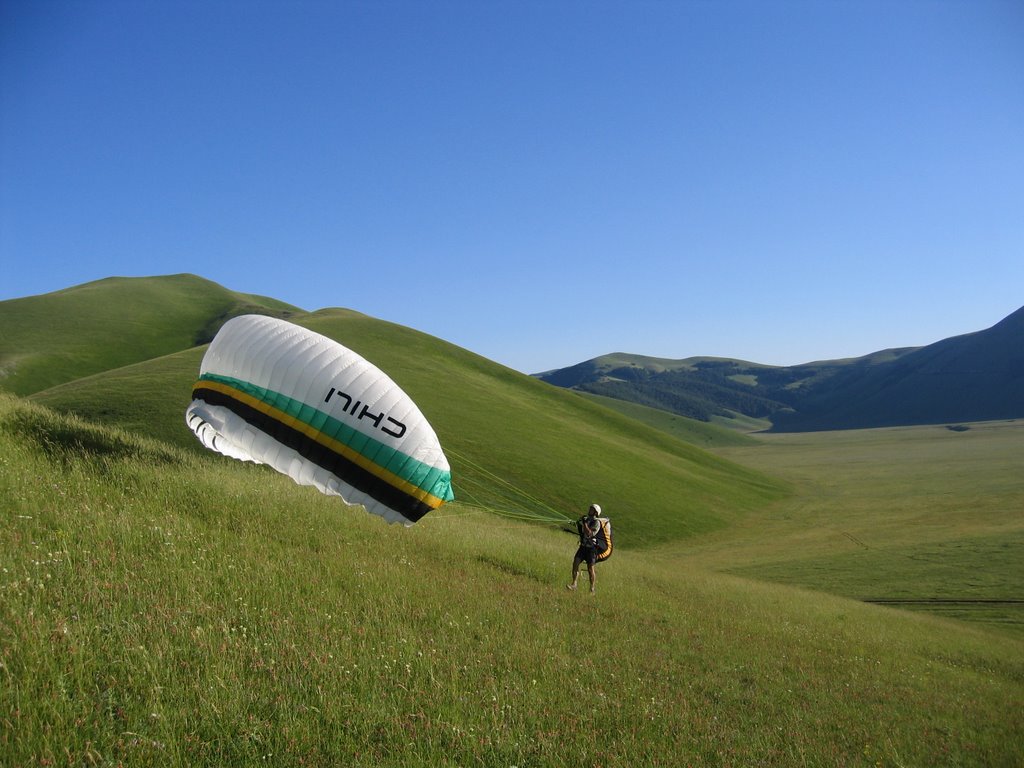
(102, 325)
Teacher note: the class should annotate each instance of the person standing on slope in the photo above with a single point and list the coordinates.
(589, 527)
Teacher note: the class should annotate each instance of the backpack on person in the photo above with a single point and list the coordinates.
(601, 540)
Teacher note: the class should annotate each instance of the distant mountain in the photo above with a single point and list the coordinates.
(975, 377)
(65, 335)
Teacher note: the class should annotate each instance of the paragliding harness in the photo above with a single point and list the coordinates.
(600, 541)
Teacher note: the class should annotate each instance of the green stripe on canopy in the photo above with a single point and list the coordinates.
(423, 476)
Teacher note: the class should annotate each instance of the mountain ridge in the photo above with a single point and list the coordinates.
(977, 376)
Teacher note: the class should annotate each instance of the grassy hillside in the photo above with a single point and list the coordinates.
(700, 433)
(62, 336)
(509, 437)
(161, 608)
(148, 397)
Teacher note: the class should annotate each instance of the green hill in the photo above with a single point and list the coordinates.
(509, 437)
(700, 433)
(162, 608)
(975, 377)
(62, 336)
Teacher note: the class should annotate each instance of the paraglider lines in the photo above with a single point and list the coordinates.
(522, 505)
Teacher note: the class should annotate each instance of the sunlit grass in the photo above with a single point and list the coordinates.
(921, 514)
(162, 609)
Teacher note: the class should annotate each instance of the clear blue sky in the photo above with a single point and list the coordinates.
(540, 182)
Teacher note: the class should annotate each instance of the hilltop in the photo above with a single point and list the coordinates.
(66, 335)
(974, 377)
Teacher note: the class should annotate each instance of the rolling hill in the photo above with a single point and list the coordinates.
(511, 439)
(62, 336)
(974, 377)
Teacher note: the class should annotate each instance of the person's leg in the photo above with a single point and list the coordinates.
(575, 573)
(593, 575)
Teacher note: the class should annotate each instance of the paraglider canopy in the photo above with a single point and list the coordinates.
(278, 394)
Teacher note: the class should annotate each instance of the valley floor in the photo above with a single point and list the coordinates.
(925, 518)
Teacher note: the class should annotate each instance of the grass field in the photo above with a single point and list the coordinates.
(159, 607)
(927, 518)
(162, 606)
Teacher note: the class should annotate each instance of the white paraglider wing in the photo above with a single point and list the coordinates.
(275, 393)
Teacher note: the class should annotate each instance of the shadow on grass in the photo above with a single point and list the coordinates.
(67, 438)
(514, 569)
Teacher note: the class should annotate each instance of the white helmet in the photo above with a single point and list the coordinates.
(595, 508)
